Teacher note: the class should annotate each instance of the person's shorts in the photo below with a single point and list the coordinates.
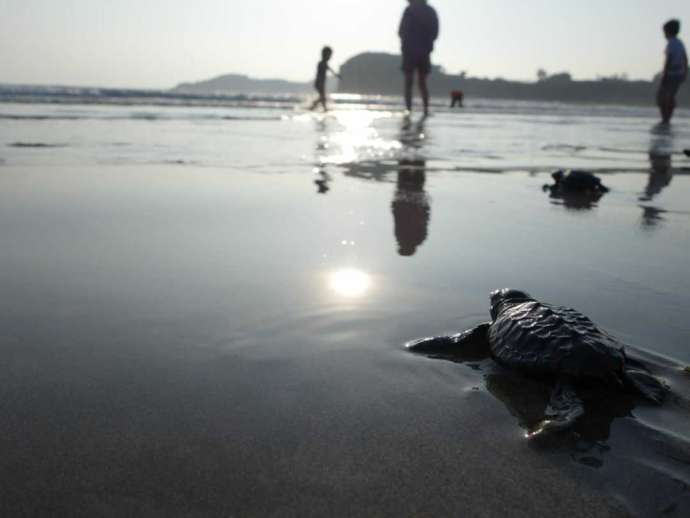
(417, 62)
(670, 86)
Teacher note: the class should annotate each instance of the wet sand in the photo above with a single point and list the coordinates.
(177, 341)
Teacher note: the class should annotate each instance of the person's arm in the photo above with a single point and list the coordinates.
(402, 31)
(685, 60)
(436, 27)
(667, 66)
(336, 74)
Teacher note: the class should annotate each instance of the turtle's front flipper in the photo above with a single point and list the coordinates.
(563, 410)
(471, 345)
(644, 383)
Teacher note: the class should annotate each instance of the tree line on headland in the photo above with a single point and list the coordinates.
(379, 74)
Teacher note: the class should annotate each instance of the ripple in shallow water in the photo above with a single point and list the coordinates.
(36, 145)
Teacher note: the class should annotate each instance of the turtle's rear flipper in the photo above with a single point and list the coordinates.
(644, 383)
(470, 345)
(563, 410)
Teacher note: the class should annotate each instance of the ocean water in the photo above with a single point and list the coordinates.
(491, 136)
(205, 307)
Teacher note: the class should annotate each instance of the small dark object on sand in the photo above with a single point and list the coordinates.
(553, 343)
(576, 182)
(687, 152)
(577, 189)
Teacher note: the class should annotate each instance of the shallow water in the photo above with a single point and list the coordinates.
(207, 317)
(491, 136)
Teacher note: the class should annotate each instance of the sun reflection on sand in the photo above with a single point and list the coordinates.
(354, 138)
(350, 283)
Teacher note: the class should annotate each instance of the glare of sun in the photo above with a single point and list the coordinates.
(350, 283)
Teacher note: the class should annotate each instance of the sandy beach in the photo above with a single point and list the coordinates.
(204, 315)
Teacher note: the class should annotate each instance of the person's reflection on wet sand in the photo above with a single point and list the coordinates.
(651, 216)
(323, 182)
(412, 135)
(660, 175)
(323, 179)
(411, 207)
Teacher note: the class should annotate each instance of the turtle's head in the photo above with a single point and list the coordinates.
(500, 297)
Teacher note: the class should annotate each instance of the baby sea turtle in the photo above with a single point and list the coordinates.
(687, 152)
(577, 181)
(553, 343)
(576, 189)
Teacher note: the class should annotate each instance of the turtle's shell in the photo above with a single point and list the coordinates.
(579, 181)
(546, 340)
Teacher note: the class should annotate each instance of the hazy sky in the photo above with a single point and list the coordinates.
(159, 43)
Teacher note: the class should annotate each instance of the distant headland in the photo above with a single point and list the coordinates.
(375, 73)
(237, 83)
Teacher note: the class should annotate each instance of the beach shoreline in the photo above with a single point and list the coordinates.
(206, 310)
(174, 346)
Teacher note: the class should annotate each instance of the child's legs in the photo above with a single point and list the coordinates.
(321, 91)
(424, 89)
(667, 98)
(424, 69)
(671, 106)
(409, 85)
(662, 102)
(672, 92)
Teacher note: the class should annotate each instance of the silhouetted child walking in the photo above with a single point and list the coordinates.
(675, 71)
(322, 70)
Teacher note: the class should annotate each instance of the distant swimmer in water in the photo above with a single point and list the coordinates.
(456, 98)
(322, 70)
(675, 71)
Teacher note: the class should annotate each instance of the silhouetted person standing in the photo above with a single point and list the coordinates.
(675, 71)
(419, 30)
